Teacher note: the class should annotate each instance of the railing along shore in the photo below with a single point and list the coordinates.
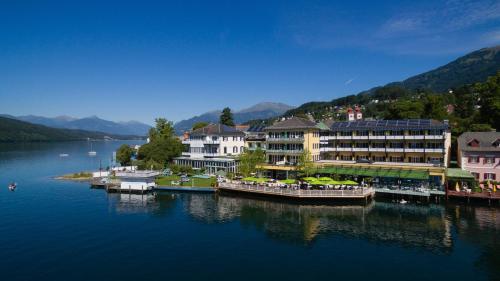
(360, 192)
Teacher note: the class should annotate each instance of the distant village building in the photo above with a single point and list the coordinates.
(354, 115)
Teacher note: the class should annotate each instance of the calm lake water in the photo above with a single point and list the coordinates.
(55, 230)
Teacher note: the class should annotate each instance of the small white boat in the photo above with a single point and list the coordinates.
(92, 152)
(63, 155)
(12, 186)
(403, 201)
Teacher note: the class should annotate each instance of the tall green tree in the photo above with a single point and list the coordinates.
(489, 101)
(163, 144)
(250, 161)
(124, 155)
(226, 117)
(305, 164)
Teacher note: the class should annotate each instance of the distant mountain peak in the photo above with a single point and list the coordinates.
(262, 110)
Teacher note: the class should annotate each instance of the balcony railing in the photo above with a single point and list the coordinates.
(360, 192)
(283, 151)
(298, 139)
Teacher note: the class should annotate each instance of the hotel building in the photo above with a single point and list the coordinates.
(213, 148)
(286, 141)
(412, 142)
(479, 153)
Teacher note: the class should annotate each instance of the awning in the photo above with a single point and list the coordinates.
(376, 172)
(457, 173)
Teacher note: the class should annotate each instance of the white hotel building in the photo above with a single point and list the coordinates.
(213, 148)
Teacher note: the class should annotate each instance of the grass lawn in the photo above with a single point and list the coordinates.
(167, 181)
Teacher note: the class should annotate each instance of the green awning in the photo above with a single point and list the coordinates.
(376, 172)
(457, 173)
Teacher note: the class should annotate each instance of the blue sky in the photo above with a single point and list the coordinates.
(137, 60)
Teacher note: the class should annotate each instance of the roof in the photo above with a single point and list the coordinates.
(217, 129)
(293, 123)
(485, 139)
(457, 173)
(322, 126)
(407, 124)
(256, 128)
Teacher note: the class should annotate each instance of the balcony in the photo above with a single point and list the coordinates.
(418, 137)
(377, 137)
(434, 150)
(285, 140)
(377, 149)
(434, 137)
(344, 148)
(395, 149)
(414, 150)
(281, 151)
(359, 137)
(360, 149)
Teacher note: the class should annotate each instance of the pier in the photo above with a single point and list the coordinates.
(355, 194)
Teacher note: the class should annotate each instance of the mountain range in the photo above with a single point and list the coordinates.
(92, 123)
(261, 110)
(13, 130)
(471, 68)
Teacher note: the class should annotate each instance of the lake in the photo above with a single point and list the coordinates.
(59, 230)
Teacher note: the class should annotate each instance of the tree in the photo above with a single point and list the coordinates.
(199, 125)
(226, 117)
(163, 145)
(250, 161)
(405, 109)
(489, 100)
(305, 163)
(124, 155)
(434, 107)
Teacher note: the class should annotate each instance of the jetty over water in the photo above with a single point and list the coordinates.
(359, 193)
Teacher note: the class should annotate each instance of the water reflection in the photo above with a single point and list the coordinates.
(426, 227)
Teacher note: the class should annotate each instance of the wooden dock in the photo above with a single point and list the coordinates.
(355, 194)
(478, 196)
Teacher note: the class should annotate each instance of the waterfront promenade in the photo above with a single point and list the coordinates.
(359, 193)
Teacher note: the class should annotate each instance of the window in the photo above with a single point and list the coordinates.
(224, 138)
(489, 160)
(416, 133)
(473, 143)
(416, 159)
(473, 159)
(496, 143)
(362, 145)
(378, 145)
(397, 133)
(378, 133)
(378, 158)
(396, 159)
(235, 149)
(346, 134)
(225, 150)
(361, 133)
(345, 158)
(415, 145)
(489, 176)
(476, 175)
(396, 145)
(241, 149)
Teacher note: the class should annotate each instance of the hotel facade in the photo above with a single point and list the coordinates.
(479, 153)
(212, 148)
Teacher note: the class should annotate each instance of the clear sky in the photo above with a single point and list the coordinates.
(137, 60)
